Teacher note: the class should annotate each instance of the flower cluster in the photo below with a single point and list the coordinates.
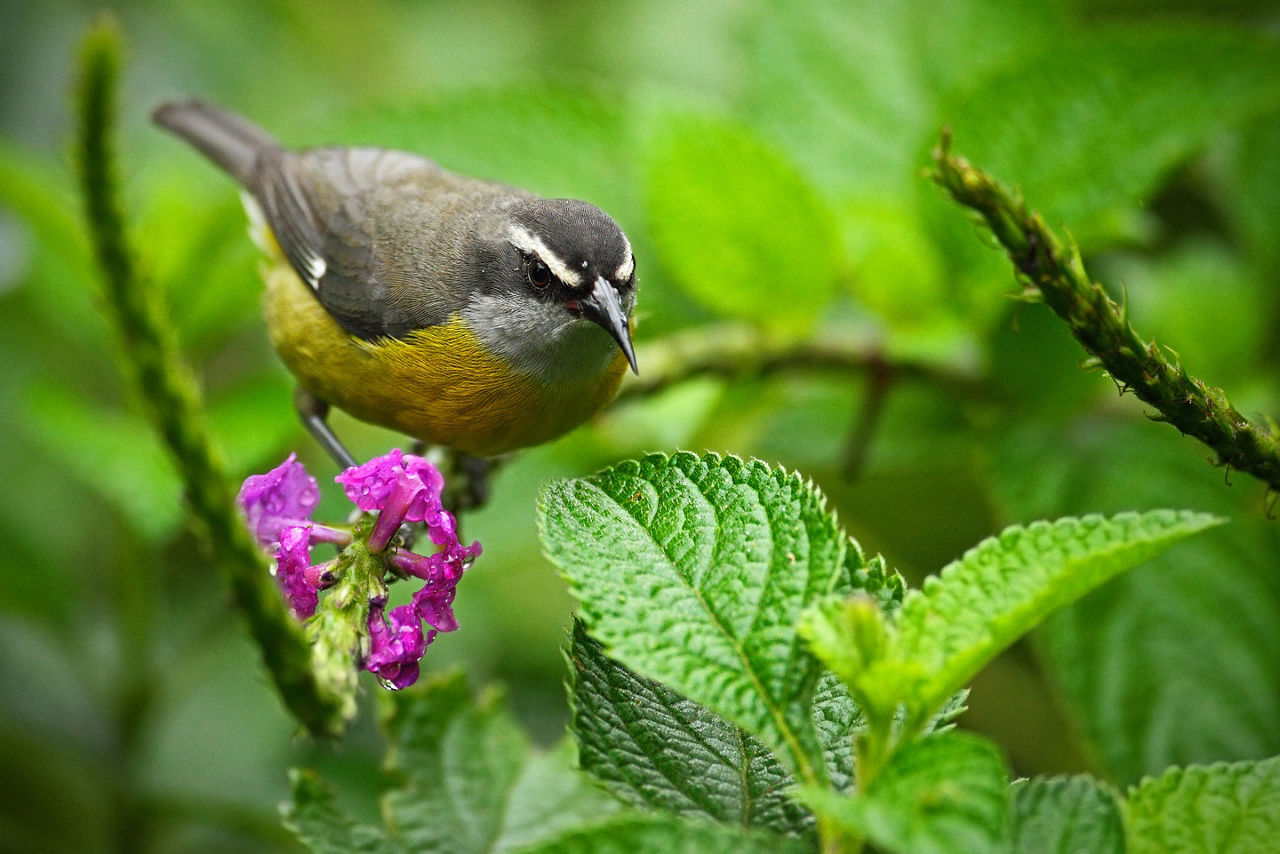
(401, 488)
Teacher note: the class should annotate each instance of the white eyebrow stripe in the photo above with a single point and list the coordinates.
(527, 241)
(627, 267)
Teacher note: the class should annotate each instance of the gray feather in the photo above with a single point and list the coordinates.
(233, 143)
(390, 242)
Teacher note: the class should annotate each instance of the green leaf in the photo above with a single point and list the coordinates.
(873, 578)
(738, 225)
(1221, 808)
(945, 793)
(694, 571)
(846, 634)
(870, 76)
(114, 452)
(630, 833)
(653, 748)
(313, 815)
(1254, 192)
(551, 796)
(1092, 123)
(855, 94)
(472, 783)
(836, 719)
(1174, 663)
(461, 761)
(1065, 814)
(1003, 587)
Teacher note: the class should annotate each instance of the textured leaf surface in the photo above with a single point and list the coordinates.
(653, 748)
(945, 793)
(738, 225)
(321, 826)
(472, 784)
(1004, 586)
(694, 571)
(1174, 663)
(1065, 814)
(632, 834)
(1227, 809)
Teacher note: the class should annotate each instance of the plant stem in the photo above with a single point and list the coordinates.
(335, 631)
(880, 378)
(167, 386)
(733, 351)
(1055, 272)
(833, 840)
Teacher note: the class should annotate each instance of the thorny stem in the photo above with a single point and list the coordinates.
(166, 385)
(1056, 272)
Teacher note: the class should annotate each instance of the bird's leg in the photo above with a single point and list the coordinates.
(313, 411)
(478, 470)
(471, 490)
(466, 485)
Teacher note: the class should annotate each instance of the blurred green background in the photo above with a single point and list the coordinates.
(767, 160)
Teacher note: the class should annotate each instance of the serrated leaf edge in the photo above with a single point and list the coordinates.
(783, 477)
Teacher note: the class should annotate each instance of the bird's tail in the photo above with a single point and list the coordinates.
(232, 142)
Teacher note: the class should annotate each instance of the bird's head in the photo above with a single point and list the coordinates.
(558, 265)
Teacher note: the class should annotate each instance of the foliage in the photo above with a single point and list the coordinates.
(704, 574)
(163, 380)
(807, 298)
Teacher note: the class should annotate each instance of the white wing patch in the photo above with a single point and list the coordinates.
(315, 270)
(259, 232)
(262, 237)
(530, 243)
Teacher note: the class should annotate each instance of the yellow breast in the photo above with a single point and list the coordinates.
(438, 384)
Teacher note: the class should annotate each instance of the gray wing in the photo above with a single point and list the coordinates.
(372, 232)
(379, 236)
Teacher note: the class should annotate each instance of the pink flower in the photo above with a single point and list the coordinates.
(284, 496)
(401, 488)
(394, 651)
(441, 571)
(293, 560)
(404, 488)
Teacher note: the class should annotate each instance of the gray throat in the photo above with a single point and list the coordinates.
(540, 339)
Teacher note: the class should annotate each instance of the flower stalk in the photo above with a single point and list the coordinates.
(351, 621)
(166, 384)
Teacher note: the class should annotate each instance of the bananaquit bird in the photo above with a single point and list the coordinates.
(462, 312)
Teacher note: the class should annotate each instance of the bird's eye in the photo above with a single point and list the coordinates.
(538, 273)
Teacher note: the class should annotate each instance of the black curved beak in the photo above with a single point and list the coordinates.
(601, 307)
